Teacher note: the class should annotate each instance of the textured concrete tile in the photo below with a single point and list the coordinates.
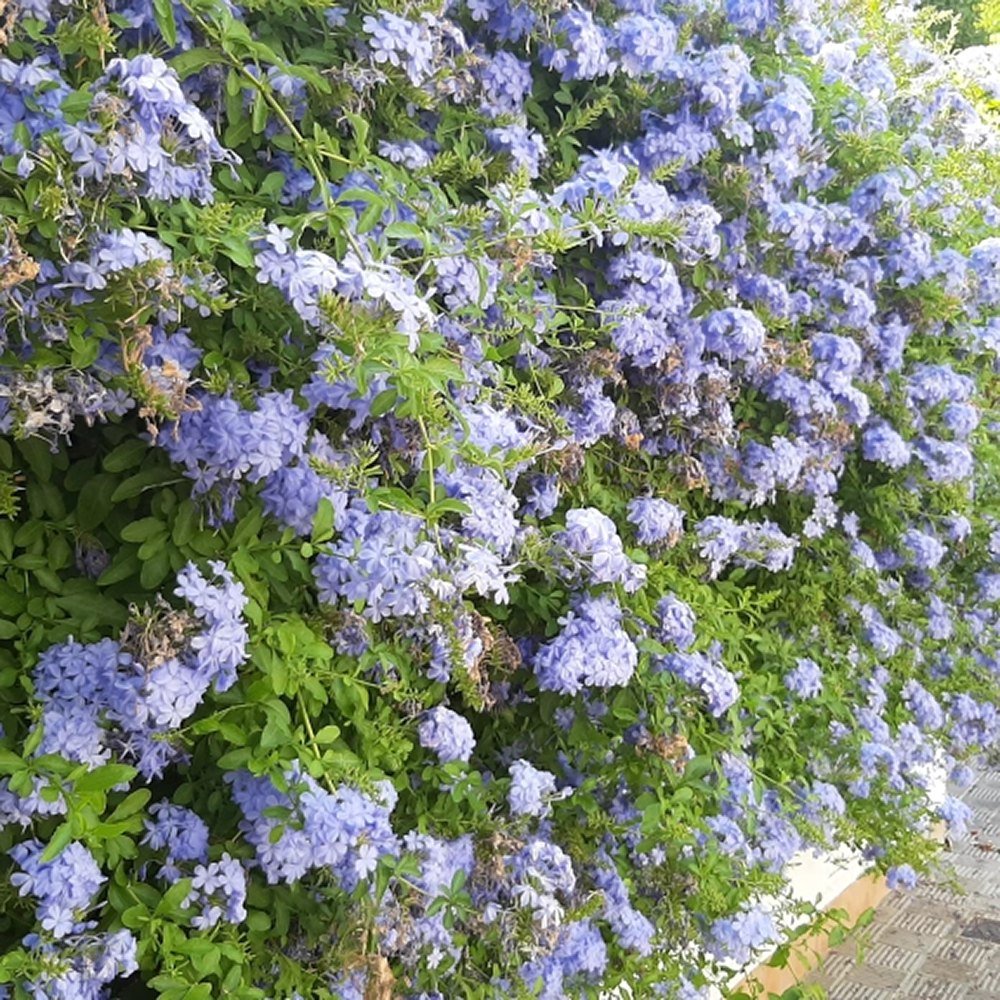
(973, 867)
(877, 977)
(940, 893)
(899, 937)
(854, 991)
(928, 988)
(936, 943)
(977, 954)
(951, 969)
(887, 956)
(989, 980)
(931, 918)
(835, 968)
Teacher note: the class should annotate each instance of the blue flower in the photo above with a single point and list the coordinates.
(734, 334)
(881, 443)
(582, 52)
(645, 43)
(531, 790)
(591, 650)
(902, 877)
(633, 930)
(506, 82)
(593, 538)
(676, 622)
(525, 147)
(706, 673)
(806, 680)
(401, 42)
(64, 887)
(738, 938)
(219, 891)
(180, 831)
(751, 544)
(447, 734)
(331, 830)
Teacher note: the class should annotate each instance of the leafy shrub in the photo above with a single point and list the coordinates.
(483, 485)
(965, 23)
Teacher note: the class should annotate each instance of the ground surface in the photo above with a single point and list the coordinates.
(934, 943)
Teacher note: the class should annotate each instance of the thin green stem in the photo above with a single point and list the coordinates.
(430, 458)
(274, 104)
(313, 743)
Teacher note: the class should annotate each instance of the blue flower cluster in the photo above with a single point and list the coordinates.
(447, 734)
(124, 699)
(64, 887)
(78, 961)
(530, 789)
(592, 649)
(548, 414)
(307, 827)
(705, 672)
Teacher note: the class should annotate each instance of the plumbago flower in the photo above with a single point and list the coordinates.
(447, 456)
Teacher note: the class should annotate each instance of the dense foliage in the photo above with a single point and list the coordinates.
(966, 22)
(483, 485)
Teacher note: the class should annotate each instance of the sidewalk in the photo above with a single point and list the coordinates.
(934, 943)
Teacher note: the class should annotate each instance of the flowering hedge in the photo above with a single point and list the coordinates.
(483, 485)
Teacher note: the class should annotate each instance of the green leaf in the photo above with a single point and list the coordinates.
(405, 231)
(371, 216)
(205, 955)
(105, 777)
(185, 523)
(142, 481)
(38, 457)
(76, 104)
(163, 10)
(384, 402)
(6, 539)
(234, 760)
(837, 936)
(237, 249)
(126, 563)
(135, 917)
(361, 129)
(126, 456)
(10, 763)
(130, 805)
(258, 920)
(274, 734)
(84, 349)
(57, 842)
(232, 733)
(272, 184)
(174, 897)
(154, 570)
(145, 527)
(92, 608)
(322, 527)
(94, 501)
(258, 115)
(187, 63)
(447, 505)
(698, 767)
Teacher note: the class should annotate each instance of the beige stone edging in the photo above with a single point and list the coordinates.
(865, 894)
(807, 952)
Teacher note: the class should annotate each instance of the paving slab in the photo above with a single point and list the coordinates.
(934, 943)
